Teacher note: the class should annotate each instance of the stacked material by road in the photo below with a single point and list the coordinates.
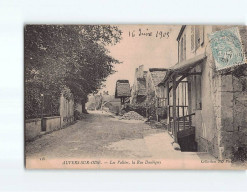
(132, 116)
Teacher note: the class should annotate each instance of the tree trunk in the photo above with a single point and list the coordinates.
(83, 107)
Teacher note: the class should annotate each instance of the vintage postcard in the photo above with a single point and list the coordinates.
(135, 97)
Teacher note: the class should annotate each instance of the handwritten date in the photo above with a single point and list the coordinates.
(147, 33)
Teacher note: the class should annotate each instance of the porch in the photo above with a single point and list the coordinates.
(178, 94)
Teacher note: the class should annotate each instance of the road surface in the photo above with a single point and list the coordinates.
(101, 135)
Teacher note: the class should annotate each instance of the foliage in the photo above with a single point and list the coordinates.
(151, 108)
(60, 56)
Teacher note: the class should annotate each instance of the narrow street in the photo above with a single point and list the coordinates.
(100, 135)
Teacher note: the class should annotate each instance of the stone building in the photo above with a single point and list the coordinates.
(155, 95)
(207, 90)
(138, 91)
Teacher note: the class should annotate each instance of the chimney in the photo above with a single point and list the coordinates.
(141, 67)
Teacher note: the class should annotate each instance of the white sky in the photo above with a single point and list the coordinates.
(150, 51)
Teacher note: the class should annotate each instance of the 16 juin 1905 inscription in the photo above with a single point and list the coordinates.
(135, 97)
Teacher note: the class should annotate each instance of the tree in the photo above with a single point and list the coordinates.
(74, 56)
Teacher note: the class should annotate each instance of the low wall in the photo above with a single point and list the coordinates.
(51, 123)
(32, 128)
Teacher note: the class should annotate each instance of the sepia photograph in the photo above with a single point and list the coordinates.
(135, 97)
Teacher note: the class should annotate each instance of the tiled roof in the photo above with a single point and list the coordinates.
(122, 89)
(184, 66)
(157, 76)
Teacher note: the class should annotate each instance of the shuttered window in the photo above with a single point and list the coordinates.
(192, 38)
(197, 37)
(184, 50)
(201, 35)
(182, 53)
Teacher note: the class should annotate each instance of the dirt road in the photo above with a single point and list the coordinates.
(102, 136)
(98, 135)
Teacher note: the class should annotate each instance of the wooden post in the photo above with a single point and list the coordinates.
(183, 119)
(168, 105)
(174, 109)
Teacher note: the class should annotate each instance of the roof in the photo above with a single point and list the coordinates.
(157, 69)
(190, 63)
(157, 75)
(123, 81)
(122, 89)
(184, 66)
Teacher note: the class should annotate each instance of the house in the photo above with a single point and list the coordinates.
(138, 91)
(122, 90)
(155, 94)
(207, 90)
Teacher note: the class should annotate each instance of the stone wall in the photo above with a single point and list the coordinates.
(233, 134)
(221, 125)
(32, 128)
(51, 123)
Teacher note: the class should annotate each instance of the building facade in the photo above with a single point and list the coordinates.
(207, 106)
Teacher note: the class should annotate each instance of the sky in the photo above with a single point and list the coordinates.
(153, 46)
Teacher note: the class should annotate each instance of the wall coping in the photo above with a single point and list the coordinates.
(32, 120)
(52, 117)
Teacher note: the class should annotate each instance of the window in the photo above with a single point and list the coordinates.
(182, 54)
(202, 35)
(192, 38)
(181, 49)
(184, 49)
(197, 37)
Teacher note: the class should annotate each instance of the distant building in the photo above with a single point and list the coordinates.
(122, 90)
(155, 95)
(138, 91)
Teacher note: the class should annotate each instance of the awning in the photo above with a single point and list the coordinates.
(183, 67)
